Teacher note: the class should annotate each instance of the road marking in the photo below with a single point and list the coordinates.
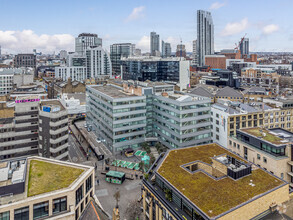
(101, 192)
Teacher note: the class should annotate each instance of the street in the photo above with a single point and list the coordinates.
(130, 190)
(75, 153)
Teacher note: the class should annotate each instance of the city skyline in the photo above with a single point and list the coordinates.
(267, 24)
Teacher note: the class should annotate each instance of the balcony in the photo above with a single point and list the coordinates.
(55, 141)
(61, 156)
(57, 149)
(54, 124)
(54, 132)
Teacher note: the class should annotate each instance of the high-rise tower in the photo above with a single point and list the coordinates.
(205, 35)
(155, 43)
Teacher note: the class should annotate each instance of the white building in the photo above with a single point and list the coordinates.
(63, 54)
(14, 77)
(98, 62)
(76, 73)
(74, 103)
(219, 118)
(84, 40)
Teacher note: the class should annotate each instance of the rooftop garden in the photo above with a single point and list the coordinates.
(46, 177)
(211, 196)
(264, 134)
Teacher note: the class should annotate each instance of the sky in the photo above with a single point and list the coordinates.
(51, 25)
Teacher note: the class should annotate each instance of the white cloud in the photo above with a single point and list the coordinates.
(269, 29)
(235, 27)
(144, 44)
(217, 5)
(136, 14)
(27, 40)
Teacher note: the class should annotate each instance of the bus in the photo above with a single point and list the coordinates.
(115, 177)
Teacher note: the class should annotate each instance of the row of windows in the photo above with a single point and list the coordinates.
(39, 210)
(258, 156)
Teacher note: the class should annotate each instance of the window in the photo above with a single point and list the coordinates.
(217, 137)
(217, 129)
(217, 115)
(258, 156)
(59, 205)
(22, 213)
(282, 175)
(5, 215)
(230, 142)
(76, 214)
(88, 183)
(41, 210)
(234, 144)
(79, 194)
(217, 122)
(81, 207)
(264, 159)
(238, 146)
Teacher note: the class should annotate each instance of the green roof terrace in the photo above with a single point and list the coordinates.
(210, 188)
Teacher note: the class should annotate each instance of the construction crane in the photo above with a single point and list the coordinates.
(240, 42)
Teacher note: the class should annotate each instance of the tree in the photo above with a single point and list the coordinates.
(141, 166)
(146, 147)
(152, 159)
(133, 210)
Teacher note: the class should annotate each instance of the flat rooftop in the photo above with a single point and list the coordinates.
(212, 196)
(113, 91)
(40, 175)
(52, 104)
(267, 135)
(46, 177)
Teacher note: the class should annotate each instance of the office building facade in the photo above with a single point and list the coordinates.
(118, 118)
(23, 130)
(172, 69)
(25, 60)
(205, 35)
(84, 40)
(268, 148)
(117, 51)
(130, 115)
(155, 43)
